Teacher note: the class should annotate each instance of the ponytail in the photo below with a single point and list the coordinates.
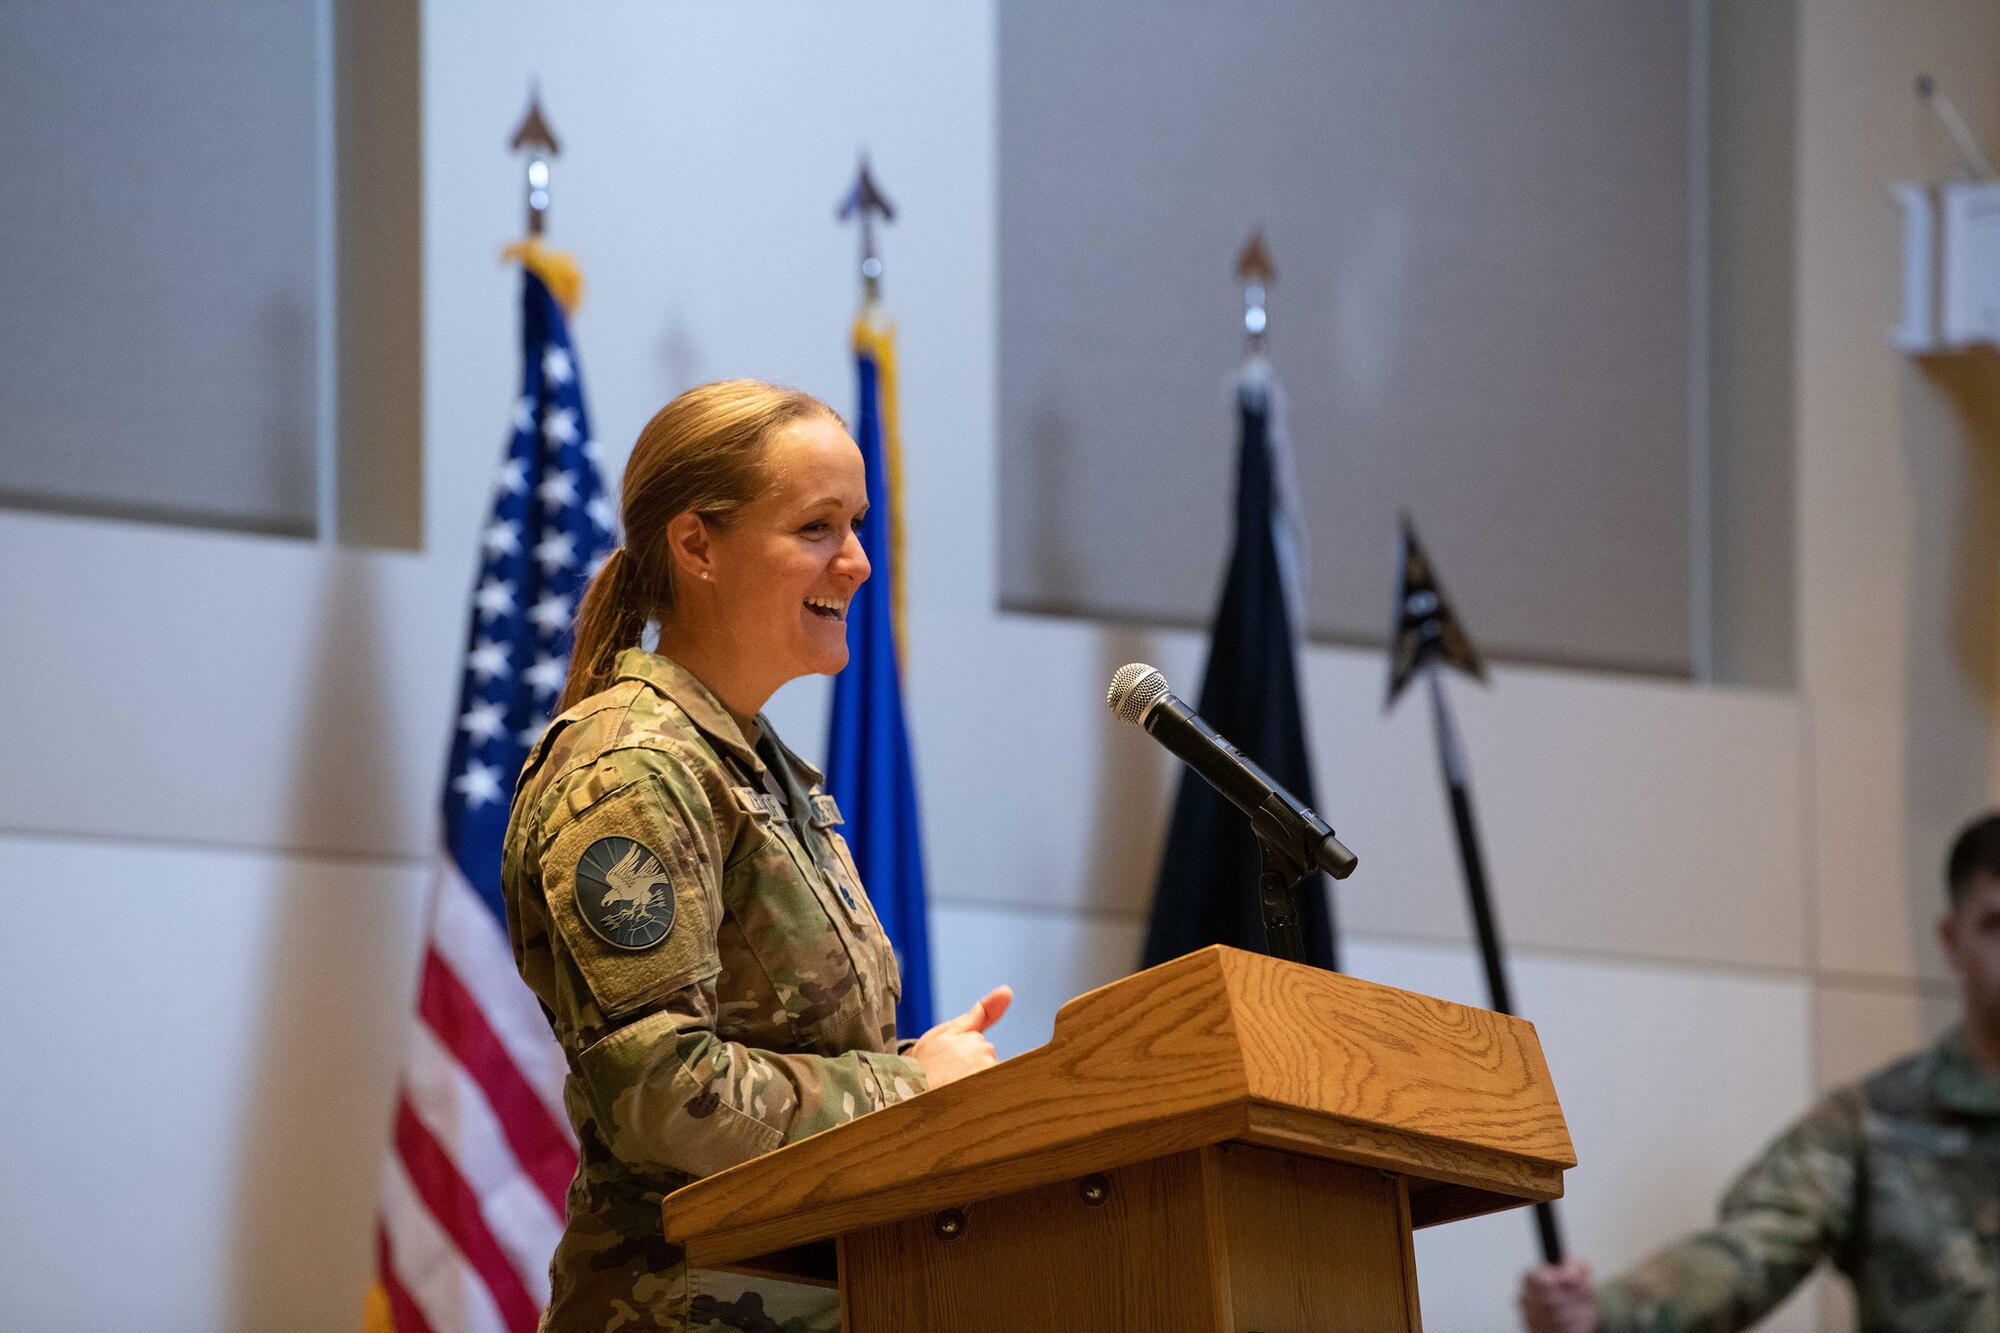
(611, 619)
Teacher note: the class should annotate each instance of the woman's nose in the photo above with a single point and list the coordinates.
(853, 559)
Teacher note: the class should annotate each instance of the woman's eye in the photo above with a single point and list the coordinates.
(860, 522)
(818, 525)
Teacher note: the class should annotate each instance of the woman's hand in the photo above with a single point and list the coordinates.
(958, 1046)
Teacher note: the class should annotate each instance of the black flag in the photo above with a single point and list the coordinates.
(1250, 695)
(1422, 628)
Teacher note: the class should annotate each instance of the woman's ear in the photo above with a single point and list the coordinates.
(689, 546)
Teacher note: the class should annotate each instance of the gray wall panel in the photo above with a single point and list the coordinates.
(158, 303)
(1479, 217)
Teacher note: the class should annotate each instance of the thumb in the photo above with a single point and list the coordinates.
(988, 1011)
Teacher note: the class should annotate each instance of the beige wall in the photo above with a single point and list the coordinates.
(1898, 484)
(1898, 488)
(221, 752)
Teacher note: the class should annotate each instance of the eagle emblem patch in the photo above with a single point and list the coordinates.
(623, 894)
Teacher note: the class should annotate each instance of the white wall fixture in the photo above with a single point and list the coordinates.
(1951, 247)
(1917, 331)
(1969, 265)
(1951, 266)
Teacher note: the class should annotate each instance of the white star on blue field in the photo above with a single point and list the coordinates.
(550, 528)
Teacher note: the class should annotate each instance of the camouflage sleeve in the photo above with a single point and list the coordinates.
(641, 927)
(1790, 1209)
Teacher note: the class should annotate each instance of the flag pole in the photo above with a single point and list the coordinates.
(549, 524)
(866, 201)
(868, 754)
(1458, 791)
(534, 138)
(1425, 637)
(1281, 877)
(537, 144)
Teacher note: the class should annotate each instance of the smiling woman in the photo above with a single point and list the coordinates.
(771, 603)
(677, 893)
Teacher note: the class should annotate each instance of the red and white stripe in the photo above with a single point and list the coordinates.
(481, 1152)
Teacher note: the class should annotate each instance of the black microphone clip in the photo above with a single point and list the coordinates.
(1293, 842)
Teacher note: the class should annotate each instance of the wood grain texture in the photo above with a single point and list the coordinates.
(1480, 1180)
(1395, 1060)
(1044, 1259)
(1216, 1046)
(1311, 1246)
(1409, 1247)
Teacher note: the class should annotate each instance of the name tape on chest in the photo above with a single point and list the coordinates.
(825, 813)
(758, 804)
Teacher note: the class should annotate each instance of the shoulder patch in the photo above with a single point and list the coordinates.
(826, 814)
(623, 893)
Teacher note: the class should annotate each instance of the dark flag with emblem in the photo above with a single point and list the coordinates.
(1250, 694)
(1422, 628)
(1424, 638)
(481, 1156)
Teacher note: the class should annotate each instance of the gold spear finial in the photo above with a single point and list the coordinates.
(1254, 267)
(864, 199)
(538, 141)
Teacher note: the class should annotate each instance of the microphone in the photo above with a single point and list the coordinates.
(1139, 695)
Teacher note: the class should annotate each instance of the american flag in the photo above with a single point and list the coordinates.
(482, 1153)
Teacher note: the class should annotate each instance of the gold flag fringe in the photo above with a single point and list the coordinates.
(875, 335)
(557, 271)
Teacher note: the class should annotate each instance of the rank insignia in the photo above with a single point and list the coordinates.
(623, 894)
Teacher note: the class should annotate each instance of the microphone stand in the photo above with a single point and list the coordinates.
(1278, 893)
(1282, 870)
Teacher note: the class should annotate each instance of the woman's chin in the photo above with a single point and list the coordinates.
(827, 659)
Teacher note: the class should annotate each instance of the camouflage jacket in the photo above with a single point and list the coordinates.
(698, 937)
(1896, 1180)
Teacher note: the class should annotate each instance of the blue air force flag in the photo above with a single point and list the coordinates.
(868, 765)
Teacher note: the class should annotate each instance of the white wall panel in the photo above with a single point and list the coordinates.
(1671, 1080)
(1621, 816)
(200, 1051)
(1049, 958)
(1429, 176)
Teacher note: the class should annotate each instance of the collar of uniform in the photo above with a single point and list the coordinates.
(692, 697)
(1959, 1083)
(813, 777)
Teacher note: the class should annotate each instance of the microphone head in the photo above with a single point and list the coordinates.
(1135, 689)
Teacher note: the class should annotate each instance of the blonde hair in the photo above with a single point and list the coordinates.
(703, 453)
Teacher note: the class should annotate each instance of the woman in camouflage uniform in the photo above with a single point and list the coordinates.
(677, 895)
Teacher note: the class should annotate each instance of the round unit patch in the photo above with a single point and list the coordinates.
(623, 893)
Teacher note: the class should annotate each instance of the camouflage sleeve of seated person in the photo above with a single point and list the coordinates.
(686, 1041)
(1786, 1212)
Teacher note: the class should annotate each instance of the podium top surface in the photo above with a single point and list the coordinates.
(1216, 1046)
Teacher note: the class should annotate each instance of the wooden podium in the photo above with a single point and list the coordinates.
(1225, 1142)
